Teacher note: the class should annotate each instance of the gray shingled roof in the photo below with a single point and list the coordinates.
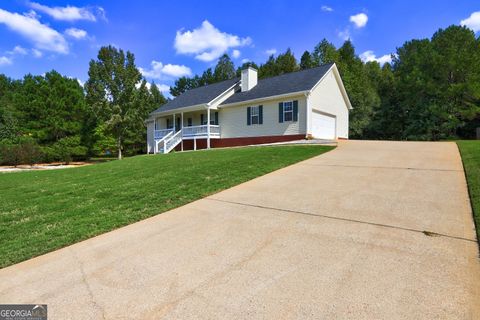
(198, 95)
(286, 83)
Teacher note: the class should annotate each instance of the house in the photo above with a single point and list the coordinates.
(310, 103)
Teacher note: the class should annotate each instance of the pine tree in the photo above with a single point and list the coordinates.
(224, 69)
(306, 61)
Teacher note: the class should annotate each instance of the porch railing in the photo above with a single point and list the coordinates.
(202, 130)
(159, 134)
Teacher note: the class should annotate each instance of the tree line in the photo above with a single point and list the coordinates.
(53, 118)
(430, 91)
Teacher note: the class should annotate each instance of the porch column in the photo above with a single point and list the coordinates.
(154, 141)
(208, 128)
(181, 127)
(174, 123)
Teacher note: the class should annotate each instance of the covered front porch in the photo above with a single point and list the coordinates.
(171, 130)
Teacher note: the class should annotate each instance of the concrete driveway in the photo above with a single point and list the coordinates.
(371, 230)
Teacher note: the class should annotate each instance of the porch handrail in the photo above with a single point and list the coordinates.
(172, 142)
(161, 141)
(159, 134)
(201, 130)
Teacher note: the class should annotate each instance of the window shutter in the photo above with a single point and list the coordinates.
(280, 112)
(216, 118)
(295, 110)
(260, 114)
(201, 119)
(248, 116)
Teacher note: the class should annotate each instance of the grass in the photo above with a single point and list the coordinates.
(42, 211)
(470, 151)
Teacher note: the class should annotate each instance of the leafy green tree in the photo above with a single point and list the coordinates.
(324, 52)
(224, 70)
(183, 84)
(50, 107)
(268, 69)
(156, 96)
(306, 61)
(113, 95)
(286, 62)
(361, 92)
(207, 77)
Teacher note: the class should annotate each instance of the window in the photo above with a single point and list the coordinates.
(213, 118)
(254, 115)
(189, 122)
(169, 124)
(288, 111)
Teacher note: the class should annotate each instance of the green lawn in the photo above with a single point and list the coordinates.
(45, 210)
(470, 151)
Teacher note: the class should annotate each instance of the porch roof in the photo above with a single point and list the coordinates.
(197, 96)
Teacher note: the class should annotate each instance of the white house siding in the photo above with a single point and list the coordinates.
(233, 120)
(327, 98)
(150, 140)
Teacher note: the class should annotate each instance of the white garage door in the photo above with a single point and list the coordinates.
(323, 126)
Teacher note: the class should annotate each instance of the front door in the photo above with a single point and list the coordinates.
(178, 125)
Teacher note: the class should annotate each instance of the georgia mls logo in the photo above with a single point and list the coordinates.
(23, 312)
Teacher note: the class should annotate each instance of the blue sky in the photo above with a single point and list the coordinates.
(174, 38)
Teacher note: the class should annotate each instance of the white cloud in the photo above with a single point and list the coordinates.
(245, 60)
(76, 33)
(161, 87)
(236, 53)
(326, 9)
(5, 61)
(345, 34)
(472, 22)
(17, 50)
(359, 20)
(42, 36)
(207, 43)
(159, 70)
(68, 13)
(37, 53)
(369, 56)
(81, 83)
(271, 51)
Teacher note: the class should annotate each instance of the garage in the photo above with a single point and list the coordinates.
(323, 126)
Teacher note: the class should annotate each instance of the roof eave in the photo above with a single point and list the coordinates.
(178, 110)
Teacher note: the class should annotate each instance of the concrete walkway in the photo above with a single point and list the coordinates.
(371, 230)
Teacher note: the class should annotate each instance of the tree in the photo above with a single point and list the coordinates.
(286, 63)
(207, 77)
(268, 69)
(113, 95)
(324, 52)
(306, 61)
(157, 97)
(182, 84)
(361, 92)
(224, 70)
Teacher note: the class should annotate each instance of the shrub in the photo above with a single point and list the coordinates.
(67, 149)
(21, 150)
